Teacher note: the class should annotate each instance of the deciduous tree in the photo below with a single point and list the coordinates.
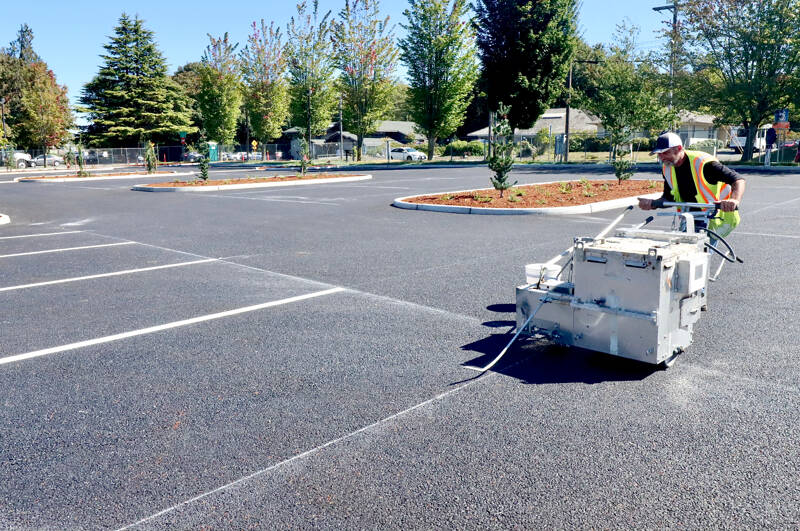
(622, 92)
(220, 96)
(267, 92)
(365, 54)
(309, 54)
(526, 47)
(439, 52)
(745, 59)
(48, 117)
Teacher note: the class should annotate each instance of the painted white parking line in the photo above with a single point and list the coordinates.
(103, 275)
(312, 451)
(41, 234)
(794, 237)
(66, 249)
(168, 326)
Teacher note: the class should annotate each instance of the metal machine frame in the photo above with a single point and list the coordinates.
(636, 294)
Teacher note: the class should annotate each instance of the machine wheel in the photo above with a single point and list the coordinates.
(56, 164)
(21, 164)
(669, 362)
(408, 158)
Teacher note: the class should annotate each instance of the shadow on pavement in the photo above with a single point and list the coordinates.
(538, 361)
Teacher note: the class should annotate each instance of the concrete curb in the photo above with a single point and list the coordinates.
(589, 208)
(4, 219)
(146, 188)
(83, 179)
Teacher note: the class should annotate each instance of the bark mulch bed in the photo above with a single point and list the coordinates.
(76, 176)
(247, 180)
(566, 193)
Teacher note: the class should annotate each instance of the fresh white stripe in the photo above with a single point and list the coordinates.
(307, 453)
(66, 249)
(41, 234)
(102, 275)
(768, 235)
(159, 328)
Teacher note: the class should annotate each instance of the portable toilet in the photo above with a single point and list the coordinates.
(213, 153)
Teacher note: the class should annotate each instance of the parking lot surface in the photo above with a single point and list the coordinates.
(295, 358)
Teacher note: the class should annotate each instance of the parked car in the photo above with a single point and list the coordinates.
(20, 159)
(52, 160)
(97, 157)
(192, 156)
(406, 153)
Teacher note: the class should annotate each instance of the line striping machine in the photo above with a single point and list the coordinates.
(636, 294)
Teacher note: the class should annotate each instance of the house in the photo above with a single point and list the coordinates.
(553, 121)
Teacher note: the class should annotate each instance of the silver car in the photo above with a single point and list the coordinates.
(52, 160)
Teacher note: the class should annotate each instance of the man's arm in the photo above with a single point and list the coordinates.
(737, 191)
(652, 204)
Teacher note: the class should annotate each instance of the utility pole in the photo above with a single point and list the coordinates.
(569, 97)
(673, 51)
(308, 123)
(3, 111)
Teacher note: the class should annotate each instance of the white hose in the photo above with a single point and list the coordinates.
(503, 353)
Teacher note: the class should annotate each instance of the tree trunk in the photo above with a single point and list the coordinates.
(359, 144)
(747, 152)
(431, 145)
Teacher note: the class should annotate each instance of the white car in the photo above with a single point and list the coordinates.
(406, 153)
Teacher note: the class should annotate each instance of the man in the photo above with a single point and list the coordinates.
(697, 177)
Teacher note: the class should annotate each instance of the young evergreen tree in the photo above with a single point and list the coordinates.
(439, 52)
(220, 96)
(309, 57)
(502, 157)
(365, 53)
(526, 47)
(267, 92)
(131, 98)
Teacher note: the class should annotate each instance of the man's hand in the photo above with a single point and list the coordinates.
(646, 204)
(728, 205)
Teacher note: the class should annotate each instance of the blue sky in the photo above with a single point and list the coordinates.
(70, 36)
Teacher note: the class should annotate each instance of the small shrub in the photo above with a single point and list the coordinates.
(446, 197)
(482, 198)
(604, 187)
(652, 184)
(513, 199)
(565, 188)
(204, 159)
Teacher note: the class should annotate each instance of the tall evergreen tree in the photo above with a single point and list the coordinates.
(309, 56)
(264, 72)
(220, 96)
(526, 47)
(439, 52)
(131, 98)
(22, 46)
(365, 54)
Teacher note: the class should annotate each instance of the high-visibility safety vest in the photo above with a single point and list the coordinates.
(724, 222)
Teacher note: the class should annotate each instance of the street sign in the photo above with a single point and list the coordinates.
(782, 115)
(254, 143)
(182, 134)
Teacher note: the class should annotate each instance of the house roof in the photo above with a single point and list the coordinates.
(553, 120)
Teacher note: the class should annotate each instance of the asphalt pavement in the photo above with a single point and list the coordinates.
(294, 357)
